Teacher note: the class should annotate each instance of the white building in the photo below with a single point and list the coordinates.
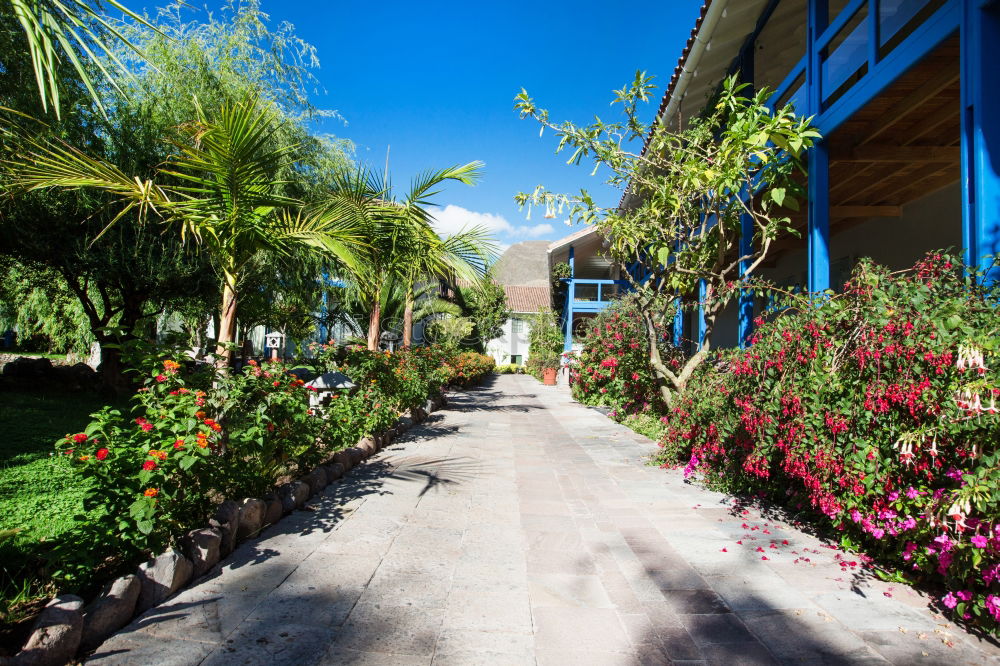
(512, 345)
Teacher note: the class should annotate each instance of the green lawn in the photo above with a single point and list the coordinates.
(38, 496)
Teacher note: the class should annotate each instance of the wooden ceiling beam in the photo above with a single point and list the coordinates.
(883, 153)
(931, 122)
(945, 77)
(842, 212)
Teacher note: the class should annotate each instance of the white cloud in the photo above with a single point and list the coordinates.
(538, 230)
(452, 219)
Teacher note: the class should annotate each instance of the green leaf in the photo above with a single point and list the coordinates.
(778, 194)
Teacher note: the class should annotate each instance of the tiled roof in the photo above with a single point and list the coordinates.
(527, 299)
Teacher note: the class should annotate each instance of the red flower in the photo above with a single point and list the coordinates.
(151, 492)
(80, 438)
(161, 378)
(101, 454)
(179, 444)
(149, 465)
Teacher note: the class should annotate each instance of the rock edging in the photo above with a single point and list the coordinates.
(66, 626)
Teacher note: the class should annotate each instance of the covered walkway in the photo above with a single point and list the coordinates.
(517, 527)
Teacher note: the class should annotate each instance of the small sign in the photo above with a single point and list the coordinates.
(273, 340)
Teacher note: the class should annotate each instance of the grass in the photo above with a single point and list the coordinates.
(38, 496)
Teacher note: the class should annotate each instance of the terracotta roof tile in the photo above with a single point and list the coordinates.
(527, 299)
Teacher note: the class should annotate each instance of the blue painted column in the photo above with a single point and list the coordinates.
(570, 297)
(818, 236)
(702, 292)
(980, 53)
(678, 323)
(746, 296)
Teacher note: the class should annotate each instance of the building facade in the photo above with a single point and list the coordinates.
(906, 94)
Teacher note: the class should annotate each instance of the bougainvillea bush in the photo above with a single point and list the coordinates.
(613, 368)
(877, 410)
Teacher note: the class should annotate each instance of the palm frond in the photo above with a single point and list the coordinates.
(72, 25)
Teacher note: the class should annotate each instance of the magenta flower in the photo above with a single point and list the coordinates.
(979, 541)
(949, 600)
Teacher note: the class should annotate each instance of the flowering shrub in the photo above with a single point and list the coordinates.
(877, 410)
(613, 369)
(156, 472)
(195, 437)
(467, 368)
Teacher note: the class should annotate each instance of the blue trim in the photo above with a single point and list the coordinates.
(785, 85)
(873, 32)
(702, 292)
(828, 29)
(819, 218)
(678, 323)
(819, 158)
(938, 27)
(980, 51)
(568, 310)
(746, 296)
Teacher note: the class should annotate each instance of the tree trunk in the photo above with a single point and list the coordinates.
(374, 322)
(227, 321)
(408, 318)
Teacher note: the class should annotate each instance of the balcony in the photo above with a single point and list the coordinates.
(591, 295)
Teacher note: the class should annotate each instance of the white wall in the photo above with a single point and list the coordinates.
(510, 344)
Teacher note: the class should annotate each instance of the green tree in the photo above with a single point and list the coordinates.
(228, 199)
(223, 59)
(68, 31)
(402, 246)
(486, 303)
(686, 196)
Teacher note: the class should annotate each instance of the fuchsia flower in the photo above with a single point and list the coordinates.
(979, 541)
(993, 606)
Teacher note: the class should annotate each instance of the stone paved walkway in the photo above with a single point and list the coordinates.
(518, 527)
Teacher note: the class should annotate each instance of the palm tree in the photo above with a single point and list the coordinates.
(223, 193)
(69, 28)
(402, 245)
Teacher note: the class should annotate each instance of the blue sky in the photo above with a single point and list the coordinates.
(435, 82)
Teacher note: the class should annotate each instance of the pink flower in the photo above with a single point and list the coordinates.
(993, 606)
(949, 600)
(912, 493)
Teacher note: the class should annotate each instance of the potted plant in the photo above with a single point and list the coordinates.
(549, 363)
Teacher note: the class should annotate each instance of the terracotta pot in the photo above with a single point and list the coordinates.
(549, 376)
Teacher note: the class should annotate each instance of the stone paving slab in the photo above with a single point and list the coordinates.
(518, 527)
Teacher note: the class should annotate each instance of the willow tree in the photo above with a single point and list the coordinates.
(692, 192)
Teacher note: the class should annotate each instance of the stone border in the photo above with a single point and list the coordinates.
(65, 626)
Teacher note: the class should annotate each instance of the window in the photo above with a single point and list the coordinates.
(516, 359)
(517, 326)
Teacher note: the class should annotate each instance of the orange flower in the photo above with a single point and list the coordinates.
(170, 367)
(199, 414)
(151, 492)
(159, 455)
